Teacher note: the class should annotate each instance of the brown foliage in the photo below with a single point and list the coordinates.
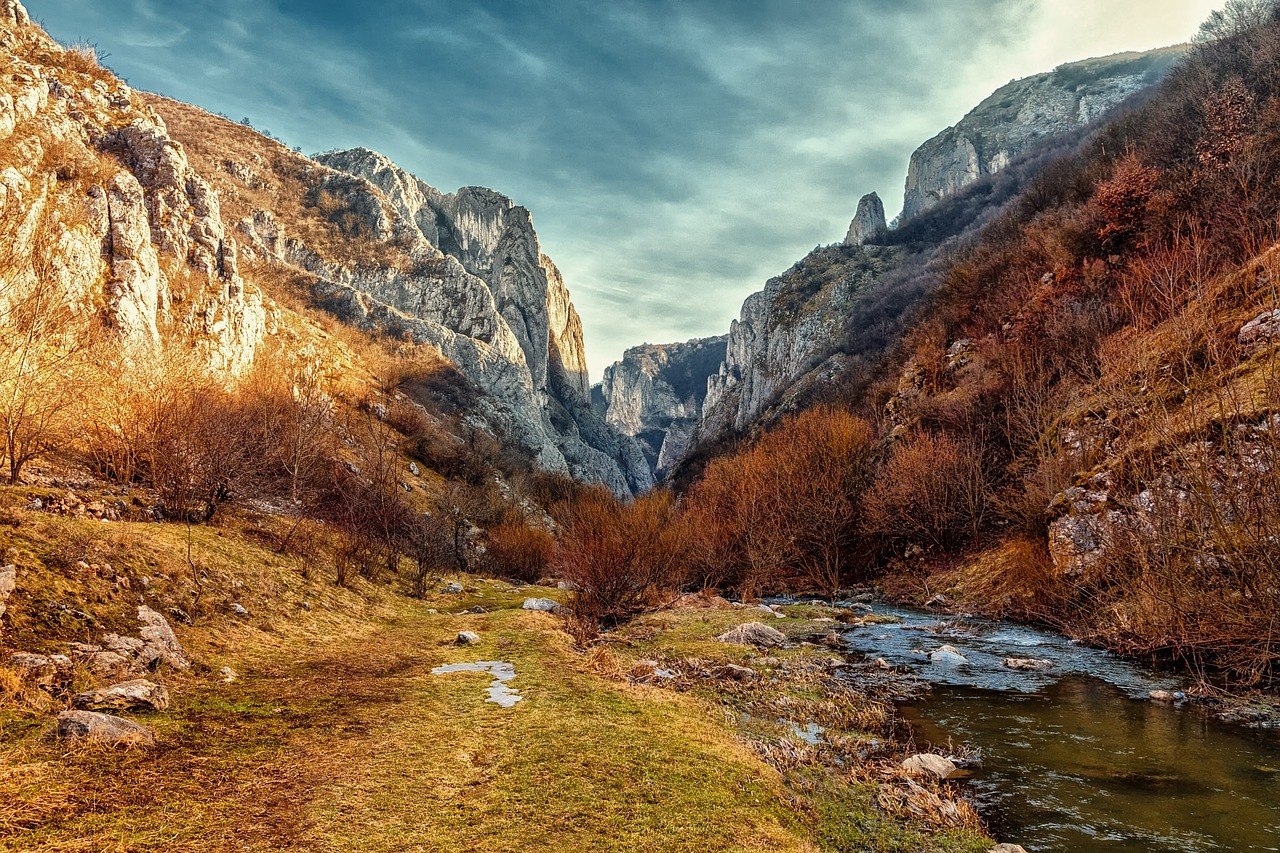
(931, 491)
(517, 551)
(621, 557)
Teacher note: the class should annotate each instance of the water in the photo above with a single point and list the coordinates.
(1073, 757)
(502, 672)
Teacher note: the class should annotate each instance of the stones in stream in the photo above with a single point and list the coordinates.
(930, 764)
(947, 656)
(1028, 664)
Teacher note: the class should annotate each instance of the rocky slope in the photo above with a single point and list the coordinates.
(798, 336)
(655, 394)
(1020, 115)
(177, 229)
(101, 211)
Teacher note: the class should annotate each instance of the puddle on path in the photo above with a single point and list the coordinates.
(502, 672)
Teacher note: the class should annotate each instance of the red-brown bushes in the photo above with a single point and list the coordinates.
(517, 551)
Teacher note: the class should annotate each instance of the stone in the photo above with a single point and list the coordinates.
(1028, 664)
(103, 728)
(929, 764)
(1167, 695)
(228, 675)
(547, 604)
(138, 694)
(161, 643)
(738, 673)
(947, 656)
(754, 634)
(467, 638)
(1255, 335)
(8, 583)
(238, 609)
(868, 225)
(1008, 848)
(452, 588)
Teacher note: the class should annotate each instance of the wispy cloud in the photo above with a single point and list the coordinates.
(675, 153)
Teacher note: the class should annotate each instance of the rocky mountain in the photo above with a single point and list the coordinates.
(179, 229)
(1023, 113)
(656, 392)
(801, 333)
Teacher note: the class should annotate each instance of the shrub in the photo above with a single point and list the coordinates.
(620, 557)
(519, 552)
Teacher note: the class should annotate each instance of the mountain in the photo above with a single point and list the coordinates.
(813, 330)
(655, 394)
(1023, 113)
(180, 230)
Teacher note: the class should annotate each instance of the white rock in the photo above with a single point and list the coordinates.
(546, 604)
(929, 764)
(103, 728)
(1028, 664)
(467, 638)
(947, 656)
(127, 695)
(753, 634)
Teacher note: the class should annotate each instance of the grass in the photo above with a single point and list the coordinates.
(338, 737)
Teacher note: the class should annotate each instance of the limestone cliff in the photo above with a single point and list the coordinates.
(1023, 113)
(125, 205)
(100, 207)
(868, 223)
(655, 394)
(786, 331)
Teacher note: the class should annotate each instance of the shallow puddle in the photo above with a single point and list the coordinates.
(502, 672)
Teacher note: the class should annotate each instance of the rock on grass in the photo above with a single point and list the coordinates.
(138, 694)
(753, 634)
(103, 728)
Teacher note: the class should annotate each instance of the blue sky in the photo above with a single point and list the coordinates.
(674, 154)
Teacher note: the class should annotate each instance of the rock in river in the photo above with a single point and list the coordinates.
(1028, 664)
(929, 764)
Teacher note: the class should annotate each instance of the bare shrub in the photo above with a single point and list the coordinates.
(517, 551)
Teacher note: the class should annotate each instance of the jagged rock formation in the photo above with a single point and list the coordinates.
(868, 223)
(786, 332)
(466, 275)
(100, 205)
(1023, 113)
(655, 394)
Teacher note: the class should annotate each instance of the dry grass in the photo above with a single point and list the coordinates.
(338, 737)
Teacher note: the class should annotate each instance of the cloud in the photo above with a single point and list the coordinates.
(675, 153)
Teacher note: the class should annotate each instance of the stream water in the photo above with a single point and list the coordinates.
(1075, 757)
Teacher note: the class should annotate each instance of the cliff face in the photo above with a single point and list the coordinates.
(788, 331)
(170, 226)
(100, 206)
(1023, 113)
(655, 394)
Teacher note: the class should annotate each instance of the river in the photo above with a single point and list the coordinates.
(1076, 757)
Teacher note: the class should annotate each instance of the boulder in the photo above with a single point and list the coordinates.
(467, 638)
(1255, 335)
(228, 674)
(947, 656)
(8, 582)
(753, 634)
(1008, 848)
(737, 673)
(138, 694)
(453, 588)
(1028, 664)
(103, 728)
(929, 764)
(238, 609)
(547, 604)
(161, 643)
(1167, 695)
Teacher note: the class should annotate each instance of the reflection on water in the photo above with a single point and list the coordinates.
(1072, 758)
(1081, 766)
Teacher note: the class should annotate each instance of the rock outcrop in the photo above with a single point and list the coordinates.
(868, 223)
(788, 332)
(1024, 113)
(99, 205)
(464, 273)
(655, 395)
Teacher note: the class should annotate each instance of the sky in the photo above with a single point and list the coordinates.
(675, 154)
